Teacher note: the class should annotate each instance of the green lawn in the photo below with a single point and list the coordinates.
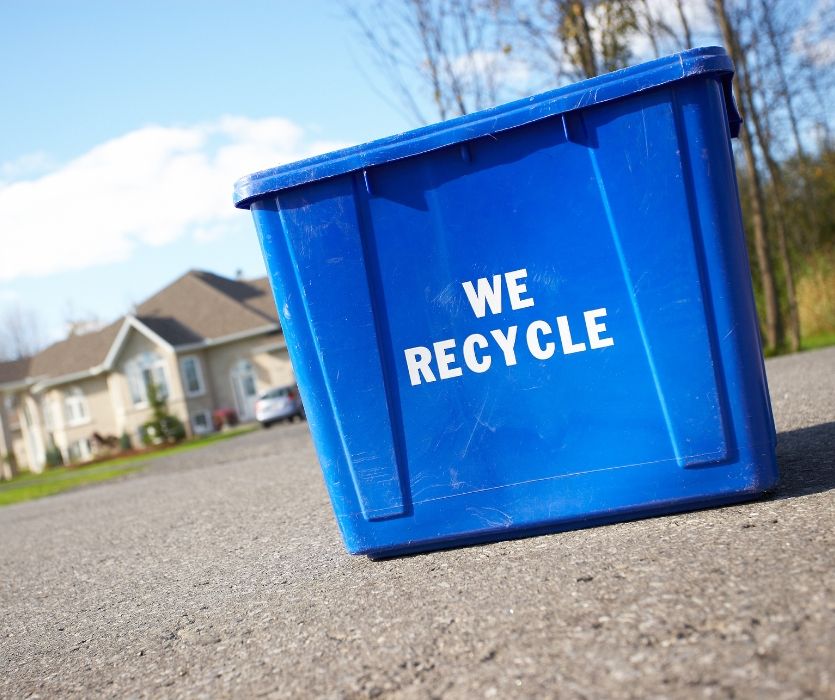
(821, 340)
(27, 486)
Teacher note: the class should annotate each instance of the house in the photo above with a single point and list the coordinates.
(207, 342)
(12, 387)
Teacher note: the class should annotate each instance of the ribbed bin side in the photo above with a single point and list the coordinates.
(541, 328)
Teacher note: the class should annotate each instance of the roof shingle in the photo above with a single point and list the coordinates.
(196, 307)
(75, 354)
(202, 306)
(14, 370)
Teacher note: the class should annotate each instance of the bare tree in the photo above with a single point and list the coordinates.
(456, 53)
(575, 32)
(687, 34)
(778, 195)
(779, 25)
(21, 333)
(451, 51)
(577, 39)
(730, 35)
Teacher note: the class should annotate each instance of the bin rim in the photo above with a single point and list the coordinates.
(701, 61)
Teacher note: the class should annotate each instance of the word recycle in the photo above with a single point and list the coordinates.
(478, 351)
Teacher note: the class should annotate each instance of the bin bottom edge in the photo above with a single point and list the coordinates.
(555, 526)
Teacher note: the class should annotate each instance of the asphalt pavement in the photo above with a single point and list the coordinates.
(220, 573)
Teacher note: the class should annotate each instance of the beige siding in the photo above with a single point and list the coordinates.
(132, 417)
(110, 408)
(18, 446)
(19, 450)
(32, 434)
(5, 437)
(11, 441)
(99, 409)
(5, 444)
(205, 399)
(54, 399)
(272, 368)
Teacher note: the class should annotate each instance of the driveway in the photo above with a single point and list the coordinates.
(220, 573)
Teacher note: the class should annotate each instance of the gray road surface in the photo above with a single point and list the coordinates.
(220, 573)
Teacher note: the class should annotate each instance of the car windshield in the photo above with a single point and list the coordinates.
(275, 393)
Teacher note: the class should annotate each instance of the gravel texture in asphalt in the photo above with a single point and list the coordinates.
(220, 573)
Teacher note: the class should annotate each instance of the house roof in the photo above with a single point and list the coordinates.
(14, 370)
(201, 306)
(197, 307)
(76, 353)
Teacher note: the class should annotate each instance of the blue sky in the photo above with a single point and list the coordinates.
(125, 126)
(101, 98)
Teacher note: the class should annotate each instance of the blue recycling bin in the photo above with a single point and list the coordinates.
(531, 318)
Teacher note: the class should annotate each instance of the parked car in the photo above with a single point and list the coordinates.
(278, 404)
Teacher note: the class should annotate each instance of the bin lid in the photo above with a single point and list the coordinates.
(703, 61)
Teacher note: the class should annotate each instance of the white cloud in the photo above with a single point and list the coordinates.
(503, 67)
(699, 19)
(27, 165)
(148, 187)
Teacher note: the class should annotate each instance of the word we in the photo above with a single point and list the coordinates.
(479, 350)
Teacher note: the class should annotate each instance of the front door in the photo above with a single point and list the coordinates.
(246, 391)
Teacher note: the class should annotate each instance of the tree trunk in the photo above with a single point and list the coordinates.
(574, 14)
(652, 27)
(786, 93)
(750, 108)
(755, 191)
(685, 25)
(764, 263)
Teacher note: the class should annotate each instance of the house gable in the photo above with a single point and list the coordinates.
(131, 323)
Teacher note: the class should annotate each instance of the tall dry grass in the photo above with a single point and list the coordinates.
(816, 293)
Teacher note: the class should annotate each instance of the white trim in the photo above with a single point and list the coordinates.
(235, 376)
(115, 348)
(17, 384)
(242, 335)
(209, 426)
(33, 443)
(282, 345)
(85, 454)
(76, 397)
(48, 382)
(135, 369)
(198, 370)
(119, 340)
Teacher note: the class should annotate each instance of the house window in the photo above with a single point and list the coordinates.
(192, 376)
(79, 451)
(142, 371)
(201, 422)
(75, 407)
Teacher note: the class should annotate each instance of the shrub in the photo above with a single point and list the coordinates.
(10, 460)
(172, 428)
(163, 427)
(125, 443)
(54, 458)
(224, 418)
